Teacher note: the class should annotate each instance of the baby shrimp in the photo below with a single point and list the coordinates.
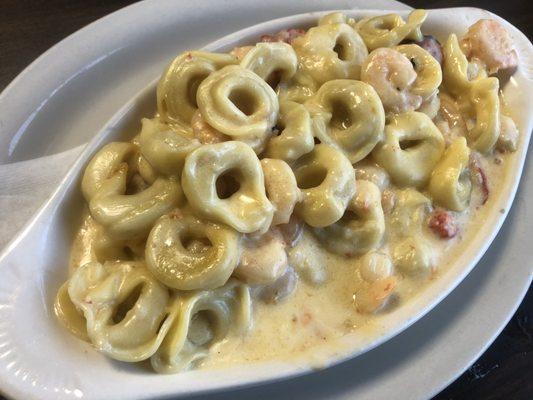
(375, 270)
(205, 133)
(392, 76)
(489, 42)
(263, 260)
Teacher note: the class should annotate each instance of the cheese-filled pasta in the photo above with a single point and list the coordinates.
(361, 227)
(353, 127)
(389, 30)
(412, 147)
(164, 148)
(132, 215)
(186, 253)
(176, 91)
(331, 51)
(287, 197)
(239, 104)
(273, 62)
(242, 204)
(450, 184)
(296, 133)
(327, 181)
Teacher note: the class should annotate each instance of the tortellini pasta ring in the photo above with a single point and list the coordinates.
(361, 228)
(164, 148)
(176, 90)
(455, 67)
(186, 253)
(107, 170)
(273, 62)
(331, 51)
(123, 305)
(389, 30)
(129, 216)
(428, 70)
(450, 184)
(296, 136)
(247, 209)
(412, 147)
(486, 105)
(349, 116)
(238, 103)
(200, 320)
(327, 181)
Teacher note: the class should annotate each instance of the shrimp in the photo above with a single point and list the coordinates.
(375, 270)
(263, 260)
(204, 132)
(392, 75)
(489, 42)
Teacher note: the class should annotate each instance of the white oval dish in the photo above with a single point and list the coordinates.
(40, 360)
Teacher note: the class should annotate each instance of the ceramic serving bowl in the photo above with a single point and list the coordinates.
(39, 359)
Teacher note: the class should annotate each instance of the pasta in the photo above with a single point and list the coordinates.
(353, 127)
(327, 181)
(361, 228)
(412, 147)
(248, 209)
(287, 192)
(331, 51)
(450, 184)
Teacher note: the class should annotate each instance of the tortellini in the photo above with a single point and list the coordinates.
(128, 315)
(479, 96)
(186, 253)
(347, 115)
(428, 72)
(247, 209)
(389, 30)
(450, 184)
(331, 51)
(273, 62)
(123, 306)
(107, 170)
(327, 180)
(238, 103)
(296, 136)
(201, 319)
(362, 226)
(412, 147)
(176, 91)
(132, 215)
(164, 148)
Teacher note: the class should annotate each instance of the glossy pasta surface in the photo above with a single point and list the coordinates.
(288, 193)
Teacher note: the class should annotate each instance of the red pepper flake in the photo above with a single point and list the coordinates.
(443, 224)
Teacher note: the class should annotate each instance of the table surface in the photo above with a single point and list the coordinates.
(33, 26)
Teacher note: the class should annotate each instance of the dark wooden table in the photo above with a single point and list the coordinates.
(29, 27)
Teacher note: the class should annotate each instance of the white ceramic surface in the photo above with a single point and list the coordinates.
(46, 359)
